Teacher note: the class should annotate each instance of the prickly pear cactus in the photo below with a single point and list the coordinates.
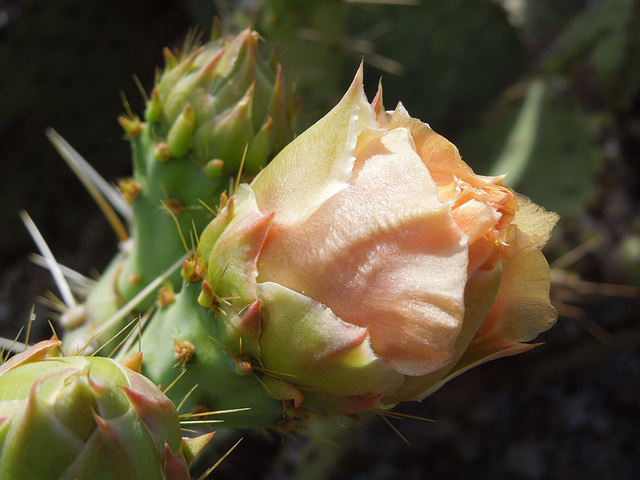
(213, 108)
(87, 418)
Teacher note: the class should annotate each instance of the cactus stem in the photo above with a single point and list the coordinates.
(145, 292)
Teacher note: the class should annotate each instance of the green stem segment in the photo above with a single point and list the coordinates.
(186, 327)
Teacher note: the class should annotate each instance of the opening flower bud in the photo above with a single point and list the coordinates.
(383, 264)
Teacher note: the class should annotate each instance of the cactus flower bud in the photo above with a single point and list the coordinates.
(218, 99)
(381, 263)
(87, 418)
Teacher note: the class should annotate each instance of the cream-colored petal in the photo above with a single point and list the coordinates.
(383, 254)
(317, 164)
(534, 225)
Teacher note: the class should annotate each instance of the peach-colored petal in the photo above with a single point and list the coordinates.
(475, 218)
(479, 294)
(317, 164)
(438, 153)
(521, 309)
(383, 254)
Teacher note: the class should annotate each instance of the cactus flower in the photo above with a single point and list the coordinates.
(87, 418)
(368, 264)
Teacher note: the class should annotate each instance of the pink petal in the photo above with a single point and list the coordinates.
(34, 353)
(232, 258)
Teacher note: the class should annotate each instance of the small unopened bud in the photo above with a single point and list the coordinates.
(213, 169)
(179, 137)
(243, 367)
(130, 189)
(207, 295)
(193, 269)
(161, 152)
(166, 296)
(154, 107)
(132, 126)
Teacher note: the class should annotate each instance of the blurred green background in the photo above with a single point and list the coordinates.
(546, 90)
